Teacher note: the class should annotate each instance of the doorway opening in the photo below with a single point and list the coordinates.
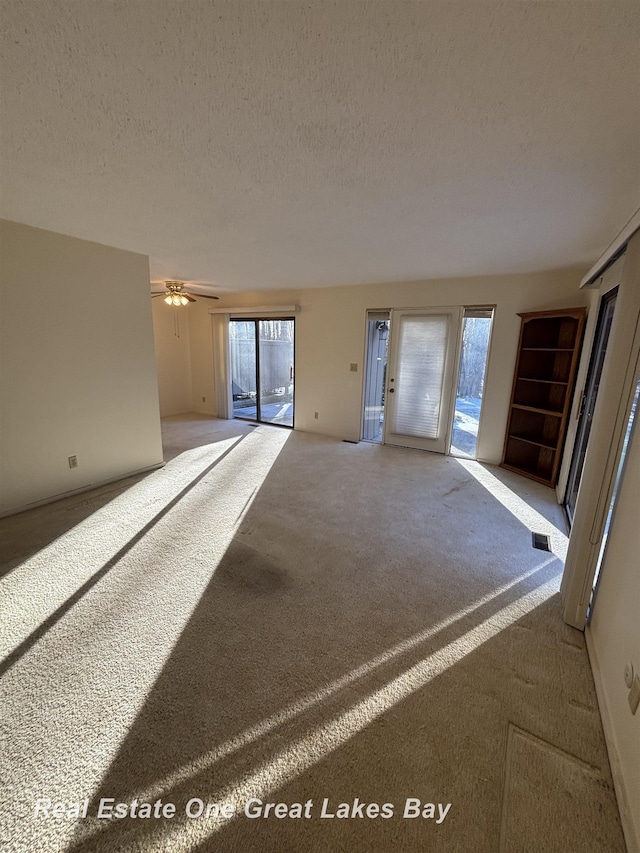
(476, 333)
(262, 369)
(378, 324)
(590, 396)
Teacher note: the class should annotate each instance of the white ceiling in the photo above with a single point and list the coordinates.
(291, 144)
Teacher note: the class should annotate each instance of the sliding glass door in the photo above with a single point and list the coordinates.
(588, 403)
(262, 369)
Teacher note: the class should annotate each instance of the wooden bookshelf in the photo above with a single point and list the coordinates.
(543, 384)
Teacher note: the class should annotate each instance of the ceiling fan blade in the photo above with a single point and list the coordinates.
(188, 296)
(206, 296)
(153, 295)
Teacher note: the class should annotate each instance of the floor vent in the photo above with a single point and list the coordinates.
(349, 441)
(541, 541)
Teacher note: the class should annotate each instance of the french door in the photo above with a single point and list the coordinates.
(420, 378)
(262, 369)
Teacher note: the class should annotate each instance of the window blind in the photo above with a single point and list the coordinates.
(422, 350)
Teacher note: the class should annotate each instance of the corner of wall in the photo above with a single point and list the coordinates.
(631, 836)
(78, 373)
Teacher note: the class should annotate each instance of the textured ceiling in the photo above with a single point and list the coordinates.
(284, 144)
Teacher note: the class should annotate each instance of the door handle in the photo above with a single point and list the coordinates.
(582, 405)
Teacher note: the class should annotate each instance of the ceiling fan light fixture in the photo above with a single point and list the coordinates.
(176, 295)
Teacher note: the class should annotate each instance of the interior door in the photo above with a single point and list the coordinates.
(420, 378)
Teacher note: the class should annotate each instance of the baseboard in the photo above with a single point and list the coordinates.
(203, 411)
(208, 412)
(624, 806)
(89, 487)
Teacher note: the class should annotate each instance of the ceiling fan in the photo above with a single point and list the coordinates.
(176, 295)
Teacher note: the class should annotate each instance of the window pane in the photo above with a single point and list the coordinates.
(473, 364)
(376, 373)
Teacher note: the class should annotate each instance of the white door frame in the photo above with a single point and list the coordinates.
(611, 415)
(604, 283)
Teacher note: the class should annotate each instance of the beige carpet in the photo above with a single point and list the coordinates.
(542, 784)
(284, 617)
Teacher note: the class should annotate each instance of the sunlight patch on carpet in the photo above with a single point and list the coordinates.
(188, 770)
(519, 508)
(102, 657)
(33, 591)
(306, 752)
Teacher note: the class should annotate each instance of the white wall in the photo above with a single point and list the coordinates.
(330, 334)
(173, 357)
(77, 367)
(202, 357)
(614, 639)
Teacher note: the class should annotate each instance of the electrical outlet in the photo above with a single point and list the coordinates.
(73, 462)
(634, 694)
(353, 367)
(315, 415)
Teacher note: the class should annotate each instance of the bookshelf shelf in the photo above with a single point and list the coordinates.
(546, 365)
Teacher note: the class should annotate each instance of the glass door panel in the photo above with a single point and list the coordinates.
(598, 354)
(276, 345)
(476, 330)
(242, 340)
(419, 384)
(375, 375)
(635, 406)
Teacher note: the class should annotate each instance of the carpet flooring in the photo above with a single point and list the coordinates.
(276, 617)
